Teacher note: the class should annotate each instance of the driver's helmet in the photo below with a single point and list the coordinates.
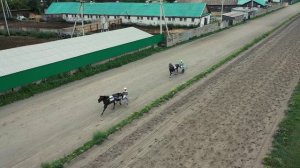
(125, 89)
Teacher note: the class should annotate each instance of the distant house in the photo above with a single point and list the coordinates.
(248, 3)
(233, 17)
(147, 14)
(216, 5)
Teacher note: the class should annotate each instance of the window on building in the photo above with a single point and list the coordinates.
(169, 19)
(128, 17)
(193, 19)
(151, 18)
(180, 19)
(173, 19)
(148, 18)
(185, 19)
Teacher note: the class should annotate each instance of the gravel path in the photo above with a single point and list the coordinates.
(54, 123)
(227, 120)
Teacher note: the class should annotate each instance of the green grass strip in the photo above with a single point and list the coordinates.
(286, 143)
(100, 136)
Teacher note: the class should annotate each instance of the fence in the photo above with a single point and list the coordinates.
(269, 9)
(91, 27)
(174, 39)
(95, 26)
(29, 29)
(196, 32)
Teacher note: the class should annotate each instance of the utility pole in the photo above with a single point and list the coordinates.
(166, 24)
(82, 19)
(160, 16)
(4, 15)
(7, 9)
(222, 11)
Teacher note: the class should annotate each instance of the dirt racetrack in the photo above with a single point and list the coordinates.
(54, 123)
(227, 120)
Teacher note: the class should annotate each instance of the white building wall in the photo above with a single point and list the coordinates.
(208, 18)
(144, 20)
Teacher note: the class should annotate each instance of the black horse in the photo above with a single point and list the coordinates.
(174, 68)
(107, 100)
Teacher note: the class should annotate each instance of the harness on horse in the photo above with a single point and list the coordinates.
(111, 98)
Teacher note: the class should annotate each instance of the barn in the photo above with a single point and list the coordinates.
(146, 14)
(23, 65)
(250, 3)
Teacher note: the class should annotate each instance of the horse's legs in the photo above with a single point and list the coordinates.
(114, 105)
(105, 106)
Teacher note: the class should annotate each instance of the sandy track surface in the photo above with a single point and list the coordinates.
(224, 121)
(52, 124)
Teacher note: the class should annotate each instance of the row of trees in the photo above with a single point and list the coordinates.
(35, 5)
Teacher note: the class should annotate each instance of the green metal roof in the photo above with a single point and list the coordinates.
(261, 2)
(131, 9)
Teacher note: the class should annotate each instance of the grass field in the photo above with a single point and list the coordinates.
(286, 143)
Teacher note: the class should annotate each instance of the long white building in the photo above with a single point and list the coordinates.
(147, 14)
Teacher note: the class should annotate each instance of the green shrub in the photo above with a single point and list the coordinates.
(285, 146)
(99, 137)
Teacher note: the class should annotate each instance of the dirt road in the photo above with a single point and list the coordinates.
(226, 120)
(54, 123)
(13, 41)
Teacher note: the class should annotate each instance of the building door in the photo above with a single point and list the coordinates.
(205, 21)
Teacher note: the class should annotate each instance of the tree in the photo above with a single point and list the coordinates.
(17, 4)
